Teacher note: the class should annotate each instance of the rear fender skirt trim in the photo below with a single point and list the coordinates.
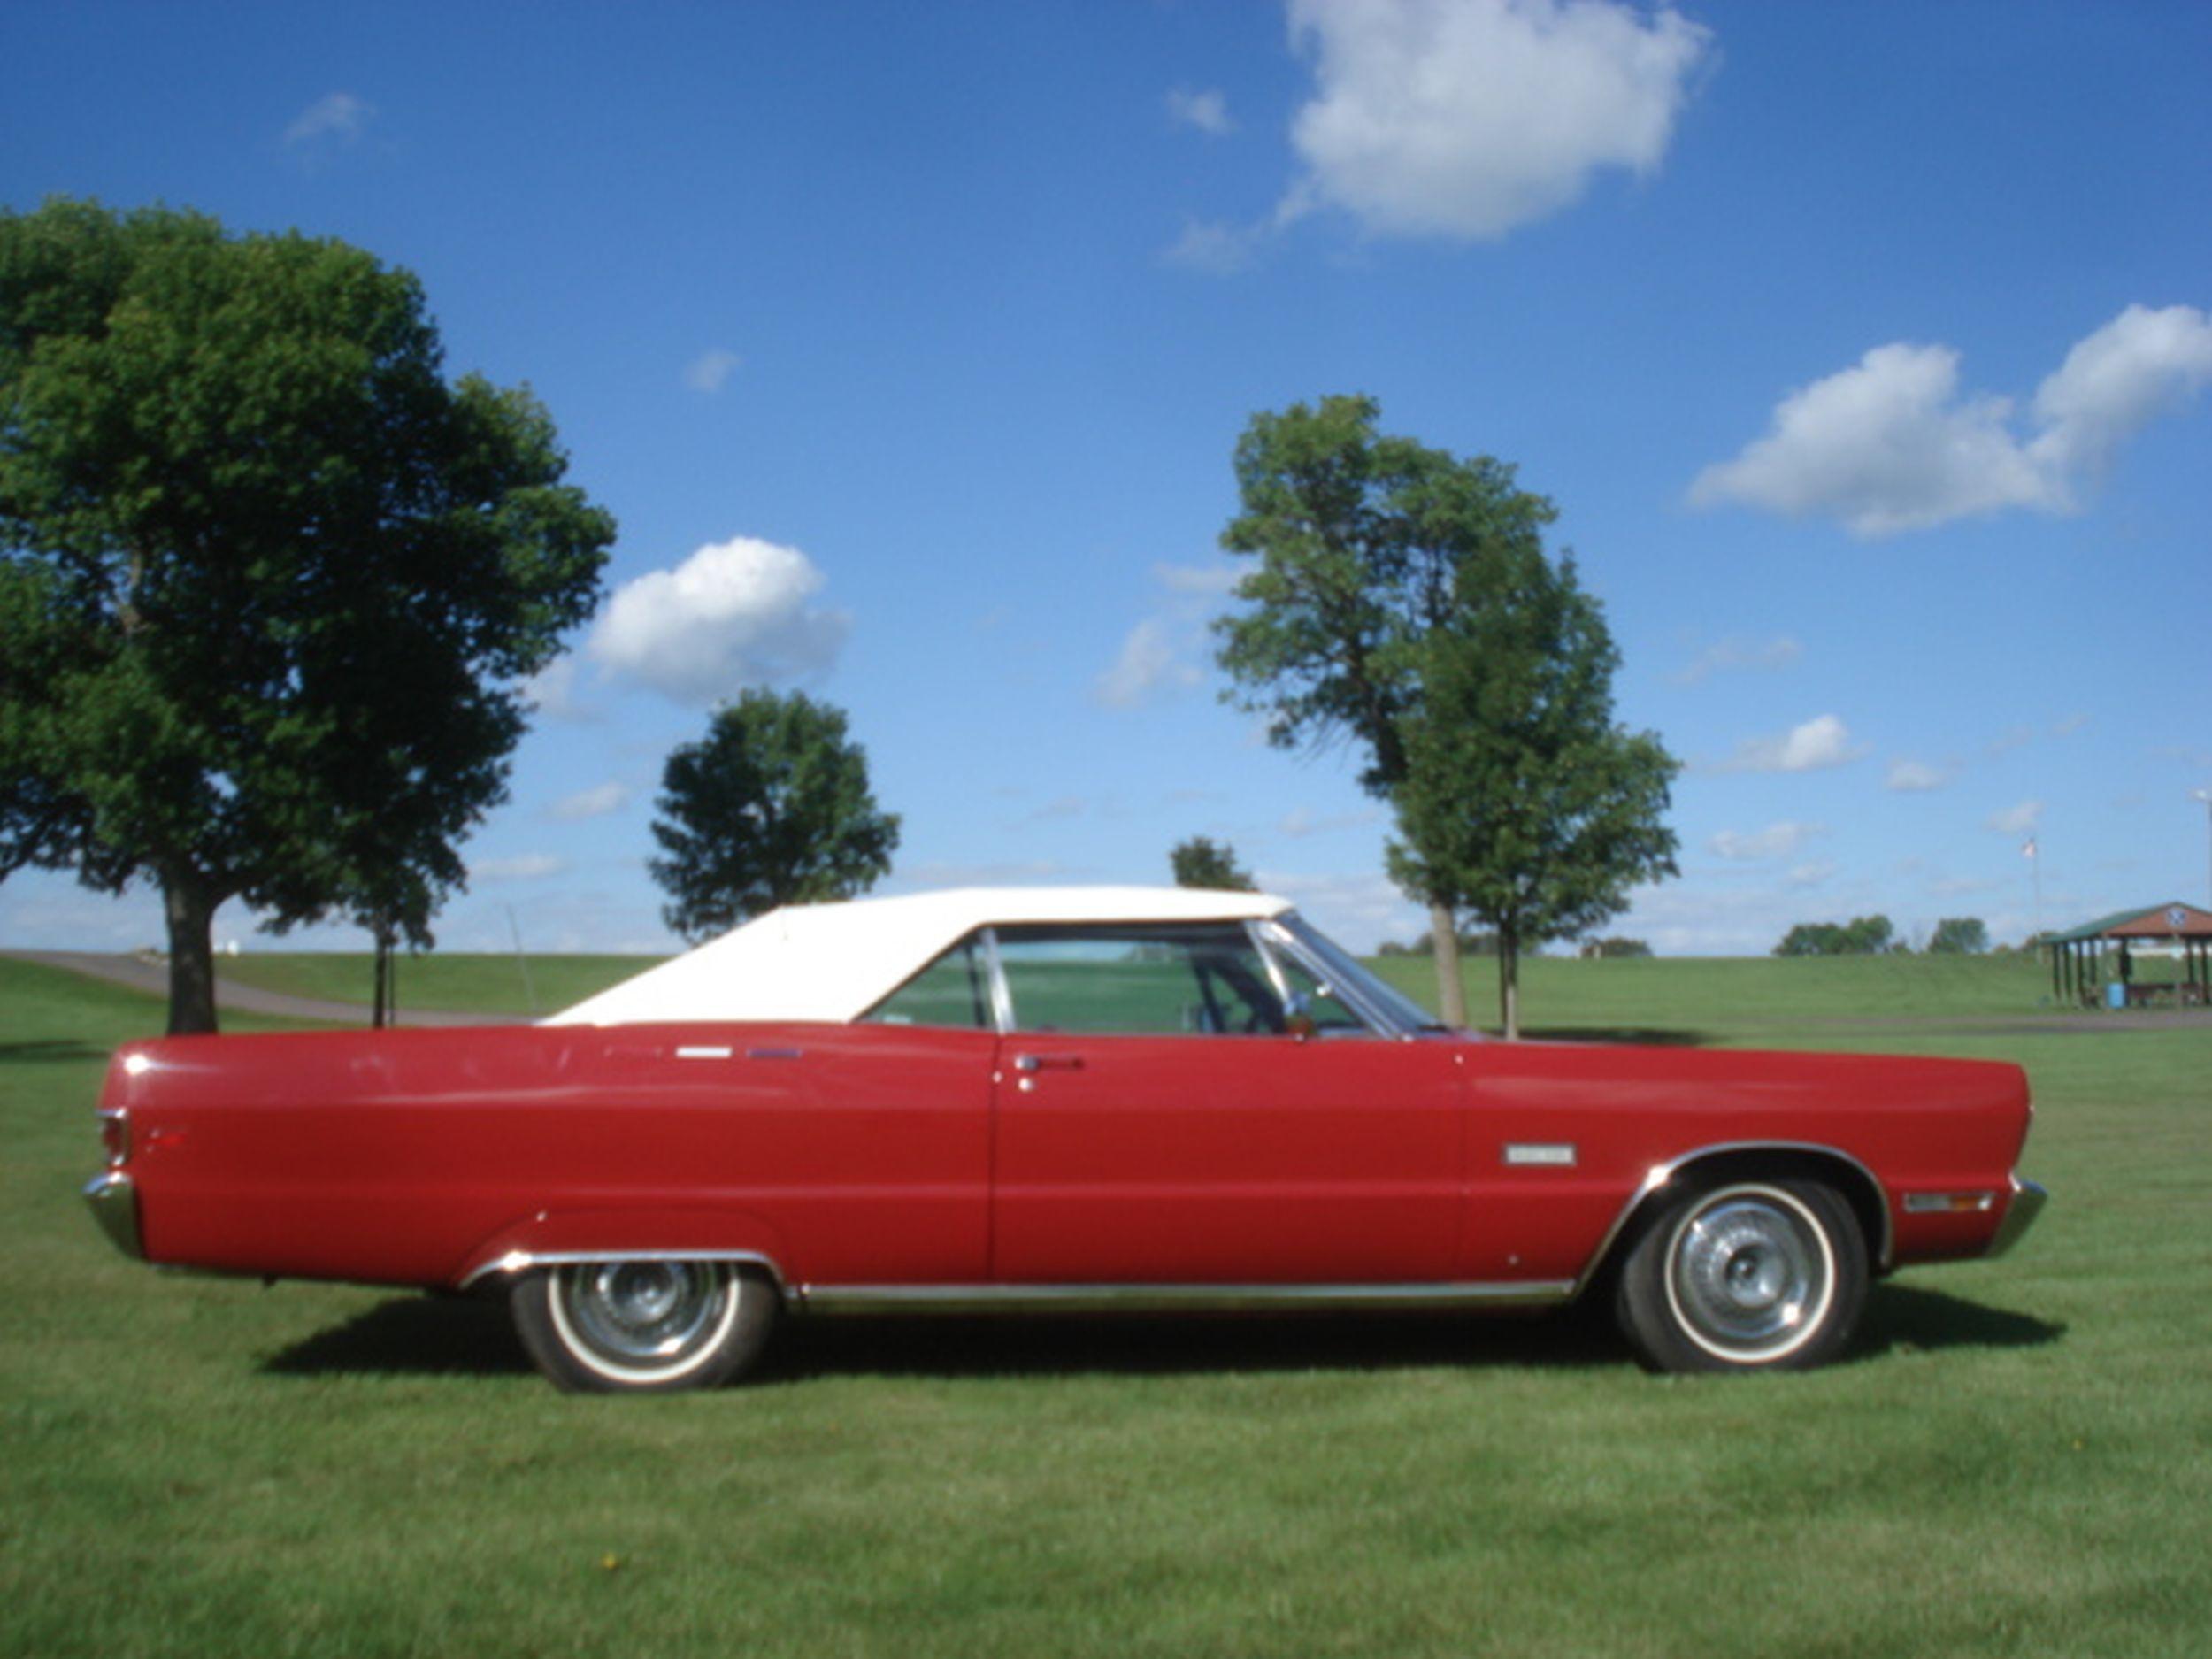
(518, 1261)
(1660, 1174)
(889, 1299)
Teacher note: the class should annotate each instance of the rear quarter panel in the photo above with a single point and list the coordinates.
(416, 1156)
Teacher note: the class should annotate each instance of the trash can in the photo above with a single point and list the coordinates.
(2116, 994)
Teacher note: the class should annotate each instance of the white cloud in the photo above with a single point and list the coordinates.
(734, 613)
(1915, 777)
(2070, 724)
(1204, 110)
(2142, 364)
(1211, 247)
(1201, 580)
(1886, 446)
(1776, 840)
(1814, 874)
(1892, 444)
(2017, 820)
(710, 372)
(1299, 823)
(1819, 743)
(1148, 665)
(551, 692)
(1464, 118)
(1359, 911)
(1012, 873)
(525, 867)
(1157, 656)
(1778, 652)
(335, 120)
(596, 802)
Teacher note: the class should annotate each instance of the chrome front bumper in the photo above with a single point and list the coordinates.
(2028, 1199)
(114, 1203)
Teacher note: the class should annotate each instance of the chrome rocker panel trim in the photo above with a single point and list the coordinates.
(894, 1299)
(2028, 1199)
(114, 1201)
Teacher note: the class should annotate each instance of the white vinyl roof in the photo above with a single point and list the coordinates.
(834, 962)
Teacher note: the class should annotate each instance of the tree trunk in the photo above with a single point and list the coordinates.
(381, 996)
(189, 910)
(1451, 1000)
(1510, 984)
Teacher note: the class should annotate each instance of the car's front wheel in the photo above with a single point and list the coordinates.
(1744, 1276)
(642, 1327)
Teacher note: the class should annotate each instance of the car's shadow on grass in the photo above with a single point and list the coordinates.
(1902, 1318)
(50, 1049)
(452, 1335)
(415, 1335)
(411, 1335)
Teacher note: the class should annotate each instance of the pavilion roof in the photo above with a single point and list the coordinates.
(2173, 920)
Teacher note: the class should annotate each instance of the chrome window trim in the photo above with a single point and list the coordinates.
(1660, 1174)
(1269, 960)
(1379, 1024)
(861, 1300)
(513, 1262)
(1001, 996)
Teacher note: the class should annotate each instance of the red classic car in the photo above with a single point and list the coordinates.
(1085, 1099)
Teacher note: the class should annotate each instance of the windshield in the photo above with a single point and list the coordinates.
(1352, 982)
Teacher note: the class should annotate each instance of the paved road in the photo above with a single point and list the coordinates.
(153, 977)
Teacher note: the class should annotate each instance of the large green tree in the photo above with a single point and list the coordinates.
(772, 807)
(1525, 805)
(1360, 538)
(268, 578)
(1202, 861)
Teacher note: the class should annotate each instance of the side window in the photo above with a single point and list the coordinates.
(1144, 980)
(953, 990)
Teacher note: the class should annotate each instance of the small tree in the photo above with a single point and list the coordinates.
(268, 580)
(1360, 538)
(772, 807)
(1201, 862)
(1861, 936)
(1524, 804)
(1959, 936)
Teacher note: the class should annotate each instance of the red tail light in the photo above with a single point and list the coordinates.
(115, 1134)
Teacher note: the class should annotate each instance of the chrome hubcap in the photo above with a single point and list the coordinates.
(644, 1318)
(1750, 1274)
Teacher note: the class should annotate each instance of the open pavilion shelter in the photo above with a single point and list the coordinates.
(2103, 952)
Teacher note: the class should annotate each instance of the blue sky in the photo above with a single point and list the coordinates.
(1862, 348)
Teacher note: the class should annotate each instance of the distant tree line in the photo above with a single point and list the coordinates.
(1876, 935)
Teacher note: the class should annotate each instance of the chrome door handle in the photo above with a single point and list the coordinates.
(1047, 1062)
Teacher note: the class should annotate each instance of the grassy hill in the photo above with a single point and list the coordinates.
(2017, 1460)
(1560, 995)
(454, 980)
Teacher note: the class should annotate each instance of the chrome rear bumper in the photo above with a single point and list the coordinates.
(114, 1203)
(2028, 1199)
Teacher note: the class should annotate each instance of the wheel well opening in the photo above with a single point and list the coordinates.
(1857, 1187)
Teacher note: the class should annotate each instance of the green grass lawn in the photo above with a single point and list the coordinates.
(1558, 995)
(454, 980)
(2017, 1460)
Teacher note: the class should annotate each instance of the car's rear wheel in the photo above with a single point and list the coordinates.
(643, 1326)
(1745, 1275)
